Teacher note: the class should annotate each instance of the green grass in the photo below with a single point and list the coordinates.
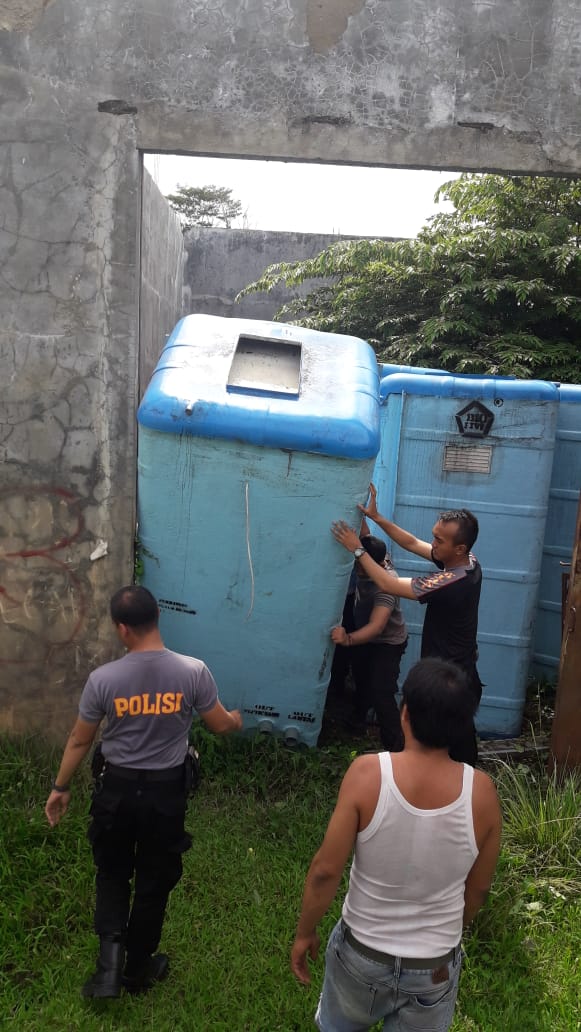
(256, 822)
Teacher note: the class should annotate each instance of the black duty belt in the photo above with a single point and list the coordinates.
(137, 774)
(415, 963)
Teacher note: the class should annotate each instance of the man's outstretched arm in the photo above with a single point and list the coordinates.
(79, 742)
(326, 869)
(488, 827)
(222, 721)
(402, 537)
(390, 582)
(378, 621)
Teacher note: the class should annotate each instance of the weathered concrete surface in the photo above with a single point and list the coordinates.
(451, 84)
(68, 352)
(221, 262)
(162, 259)
(82, 86)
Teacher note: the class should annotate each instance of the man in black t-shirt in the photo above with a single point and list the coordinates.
(451, 598)
(451, 595)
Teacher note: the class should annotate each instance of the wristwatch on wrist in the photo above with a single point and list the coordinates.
(60, 788)
(359, 552)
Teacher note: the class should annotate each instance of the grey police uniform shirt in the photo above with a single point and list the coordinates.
(149, 700)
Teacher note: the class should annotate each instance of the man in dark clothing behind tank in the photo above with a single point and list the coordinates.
(149, 699)
(376, 644)
(451, 594)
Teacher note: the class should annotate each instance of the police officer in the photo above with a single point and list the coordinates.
(148, 698)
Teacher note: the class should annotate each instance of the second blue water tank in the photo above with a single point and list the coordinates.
(560, 531)
(487, 445)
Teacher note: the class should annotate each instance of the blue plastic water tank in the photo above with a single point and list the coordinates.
(560, 531)
(253, 437)
(485, 444)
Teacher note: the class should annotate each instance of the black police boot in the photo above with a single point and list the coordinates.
(140, 975)
(106, 981)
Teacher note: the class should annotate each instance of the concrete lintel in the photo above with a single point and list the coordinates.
(464, 148)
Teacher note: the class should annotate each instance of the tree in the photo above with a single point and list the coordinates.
(494, 287)
(205, 206)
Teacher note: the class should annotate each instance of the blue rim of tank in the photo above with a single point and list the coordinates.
(387, 368)
(340, 420)
(448, 386)
(570, 393)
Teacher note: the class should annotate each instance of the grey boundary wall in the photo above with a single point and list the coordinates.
(162, 264)
(83, 88)
(221, 262)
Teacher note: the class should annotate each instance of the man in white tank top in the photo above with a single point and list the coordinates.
(426, 836)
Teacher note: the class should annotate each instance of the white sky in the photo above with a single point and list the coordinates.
(279, 195)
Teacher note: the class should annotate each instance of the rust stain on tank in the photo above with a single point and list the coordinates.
(327, 21)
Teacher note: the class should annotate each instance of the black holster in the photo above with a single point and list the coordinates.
(98, 765)
(193, 771)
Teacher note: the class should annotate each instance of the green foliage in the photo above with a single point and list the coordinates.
(532, 918)
(542, 816)
(493, 287)
(205, 206)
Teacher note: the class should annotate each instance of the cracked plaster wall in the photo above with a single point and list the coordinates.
(453, 84)
(68, 231)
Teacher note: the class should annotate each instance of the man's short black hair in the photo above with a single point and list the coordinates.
(467, 530)
(374, 547)
(440, 705)
(135, 606)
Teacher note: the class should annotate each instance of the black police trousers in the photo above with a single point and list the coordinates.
(465, 750)
(137, 834)
(375, 672)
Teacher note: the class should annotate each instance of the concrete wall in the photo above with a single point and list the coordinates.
(82, 87)
(68, 352)
(220, 262)
(162, 259)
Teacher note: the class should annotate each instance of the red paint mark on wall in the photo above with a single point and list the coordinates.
(42, 600)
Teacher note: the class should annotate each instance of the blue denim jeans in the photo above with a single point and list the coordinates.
(359, 992)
